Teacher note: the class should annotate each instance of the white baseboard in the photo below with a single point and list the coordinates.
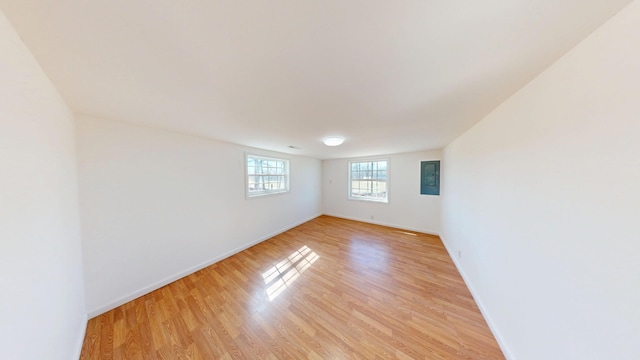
(80, 340)
(501, 342)
(147, 289)
(424, 231)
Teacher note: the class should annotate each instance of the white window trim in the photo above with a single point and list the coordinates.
(378, 201)
(287, 177)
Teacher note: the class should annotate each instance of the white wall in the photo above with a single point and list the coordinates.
(406, 209)
(542, 198)
(42, 313)
(158, 205)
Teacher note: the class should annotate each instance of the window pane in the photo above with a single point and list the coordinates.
(368, 180)
(266, 175)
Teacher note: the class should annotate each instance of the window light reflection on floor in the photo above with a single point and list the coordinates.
(283, 274)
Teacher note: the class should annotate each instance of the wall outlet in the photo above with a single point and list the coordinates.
(459, 254)
(371, 217)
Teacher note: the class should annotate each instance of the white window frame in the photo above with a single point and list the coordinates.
(248, 181)
(365, 198)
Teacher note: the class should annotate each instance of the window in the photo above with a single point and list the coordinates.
(266, 176)
(368, 180)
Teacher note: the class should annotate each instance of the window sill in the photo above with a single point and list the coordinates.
(262, 195)
(370, 200)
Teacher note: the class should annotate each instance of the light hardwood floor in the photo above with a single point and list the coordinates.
(327, 289)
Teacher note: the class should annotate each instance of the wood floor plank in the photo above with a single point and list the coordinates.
(329, 288)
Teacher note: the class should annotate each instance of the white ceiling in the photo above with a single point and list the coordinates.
(389, 76)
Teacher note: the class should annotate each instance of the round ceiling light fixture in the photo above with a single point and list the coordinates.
(333, 140)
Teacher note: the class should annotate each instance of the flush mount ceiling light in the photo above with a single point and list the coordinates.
(333, 140)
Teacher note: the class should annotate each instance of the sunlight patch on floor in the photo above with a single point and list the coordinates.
(284, 273)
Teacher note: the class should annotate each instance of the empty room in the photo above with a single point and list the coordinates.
(189, 179)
